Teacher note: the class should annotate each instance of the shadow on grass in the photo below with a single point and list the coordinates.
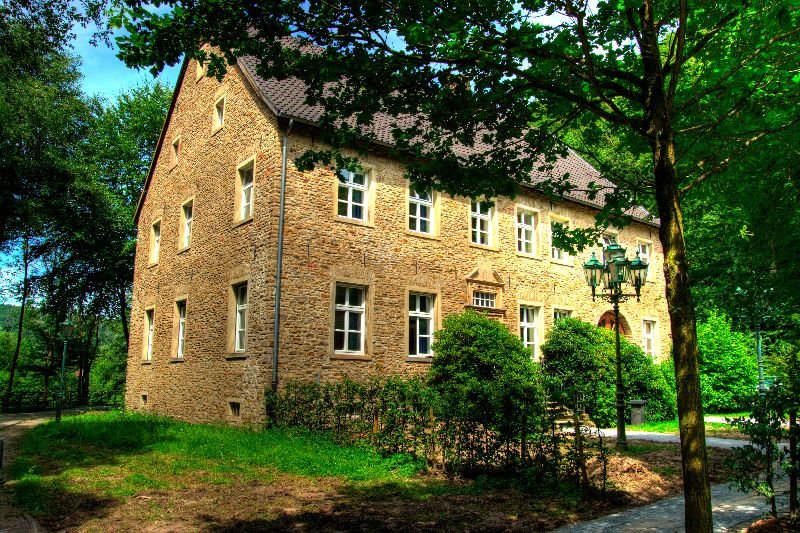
(86, 441)
(56, 505)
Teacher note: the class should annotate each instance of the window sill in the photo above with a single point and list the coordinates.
(243, 221)
(183, 250)
(529, 256)
(147, 362)
(486, 247)
(561, 263)
(177, 359)
(429, 236)
(236, 356)
(355, 221)
(351, 357)
(419, 358)
(216, 129)
(152, 265)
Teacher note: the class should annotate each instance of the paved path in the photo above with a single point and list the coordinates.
(732, 510)
(12, 428)
(712, 442)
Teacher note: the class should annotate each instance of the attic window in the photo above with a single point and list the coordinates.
(234, 408)
(219, 113)
(483, 299)
(176, 150)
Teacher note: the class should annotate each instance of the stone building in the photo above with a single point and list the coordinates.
(369, 267)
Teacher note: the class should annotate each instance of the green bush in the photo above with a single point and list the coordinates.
(728, 365)
(484, 374)
(579, 360)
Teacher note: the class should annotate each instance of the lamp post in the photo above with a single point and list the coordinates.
(66, 331)
(613, 272)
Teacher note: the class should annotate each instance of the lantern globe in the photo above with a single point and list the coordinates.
(67, 328)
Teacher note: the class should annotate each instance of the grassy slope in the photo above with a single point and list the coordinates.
(114, 456)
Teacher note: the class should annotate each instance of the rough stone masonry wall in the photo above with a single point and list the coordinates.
(320, 249)
(223, 250)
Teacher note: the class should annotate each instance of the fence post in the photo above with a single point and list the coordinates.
(2, 451)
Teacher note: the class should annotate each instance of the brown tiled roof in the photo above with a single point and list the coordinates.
(287, 98)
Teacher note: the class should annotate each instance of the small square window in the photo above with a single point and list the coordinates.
(219, 113)
(234, 408)
(558, 314)
(483, 299)
(144, 400)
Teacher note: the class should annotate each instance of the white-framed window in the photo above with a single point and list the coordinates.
(481, 223)
(246, 190)
(176, 149)
(187, 215)
(608, 239)
(558, 314)
(557, 254)
(180, 307)
(149, 328)
(219, 113)
(349, 315)
(155, 241)
(644, 254)
(352, 194)
(420, 324)
(529, 328)
(420, 211)
(483, 299)
(526, 232)
(240, 332)
(649, 337)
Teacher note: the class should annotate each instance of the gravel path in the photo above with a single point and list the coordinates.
(12, 428)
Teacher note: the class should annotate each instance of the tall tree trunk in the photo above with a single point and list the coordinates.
(123, 313)
(25, 290)
(696, 489)
(793, 467)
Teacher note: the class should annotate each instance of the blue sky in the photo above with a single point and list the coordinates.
(104, 74)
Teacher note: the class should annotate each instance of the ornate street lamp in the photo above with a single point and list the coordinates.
(67, 328)
(615, 271)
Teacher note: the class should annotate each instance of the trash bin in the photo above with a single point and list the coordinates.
(637, 412)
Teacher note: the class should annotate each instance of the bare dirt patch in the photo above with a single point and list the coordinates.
(198, 501)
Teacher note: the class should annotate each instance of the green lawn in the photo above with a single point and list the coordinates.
(111, 455)
(671, 426)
